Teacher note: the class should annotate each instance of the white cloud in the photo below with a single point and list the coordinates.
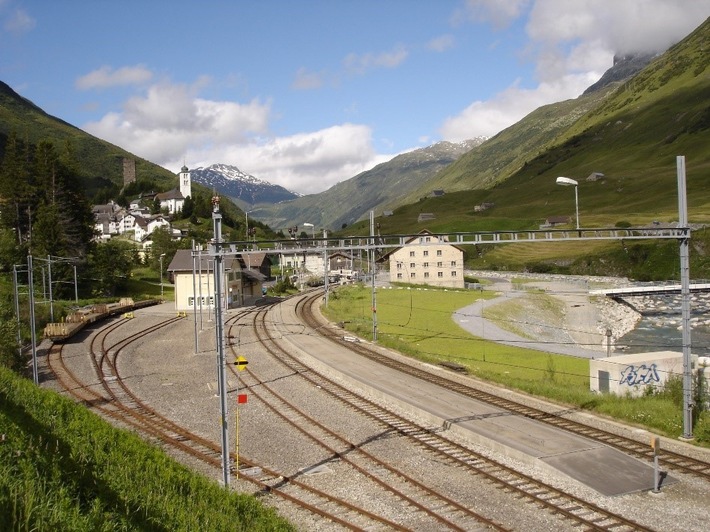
(307, 162)
(306, 80)
(168, 119)
(19, 21)
(441, 43)
(498, 12)
(169, 125)
(361, 63)
(105, 77)
(572, 45)
(621, 26)
(486, 118)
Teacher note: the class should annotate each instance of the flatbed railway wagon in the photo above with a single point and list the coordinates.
(77, 320)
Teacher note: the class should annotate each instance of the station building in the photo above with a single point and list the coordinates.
(193, 279)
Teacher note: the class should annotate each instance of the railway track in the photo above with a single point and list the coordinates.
(573, 510)
(668, 459)
(434, 508)
(113, 399)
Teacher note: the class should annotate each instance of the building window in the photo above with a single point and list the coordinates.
(426, 264)
(426, 252)
(412, 265)
(191, 301)
(439, 264)
(412, 275)
(399, 265)
(438, 253)
(453, 273)
(399, 276)
(453, 264)
(440, 274)
(411, 253)
(426, 275)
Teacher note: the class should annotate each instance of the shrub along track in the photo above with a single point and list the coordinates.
(572, 509)
(118, 403)
(669, 459)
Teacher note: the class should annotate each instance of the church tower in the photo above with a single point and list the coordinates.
(185, 184)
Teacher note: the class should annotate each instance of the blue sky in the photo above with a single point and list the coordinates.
(309, 93)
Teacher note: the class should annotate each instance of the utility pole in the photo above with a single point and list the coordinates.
(33, 334)
(685, 301)
(373, 273)
(219, 331)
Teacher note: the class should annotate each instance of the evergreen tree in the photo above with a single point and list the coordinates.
(111, 264)
(63, 224)
(188, 208)
(15, 190)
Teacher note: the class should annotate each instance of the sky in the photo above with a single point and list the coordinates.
(305, 94)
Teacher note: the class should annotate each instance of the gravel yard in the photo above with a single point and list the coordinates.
(165, 370)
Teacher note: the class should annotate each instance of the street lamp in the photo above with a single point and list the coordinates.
(566, 181)
(161, 275)
(313, 231)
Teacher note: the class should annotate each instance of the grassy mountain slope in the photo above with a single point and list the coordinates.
(633, 136)
(375, 189)
(627, 130)
(497, 158)
(101, 161)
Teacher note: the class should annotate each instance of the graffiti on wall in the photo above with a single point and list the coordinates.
(641, 375)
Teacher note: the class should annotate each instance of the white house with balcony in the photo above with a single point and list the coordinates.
(427, 259)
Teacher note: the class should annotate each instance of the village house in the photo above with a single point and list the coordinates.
(427, 259)
(554, 221)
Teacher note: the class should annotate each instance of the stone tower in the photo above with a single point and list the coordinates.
(129, 171)
(185, 183)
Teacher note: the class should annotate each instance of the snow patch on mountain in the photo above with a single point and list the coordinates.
(231, 181)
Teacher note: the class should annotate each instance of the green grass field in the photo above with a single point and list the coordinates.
(418, 322)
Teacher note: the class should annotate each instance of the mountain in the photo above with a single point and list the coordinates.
(478, 163)
(101, 162)
(630, 132)
(507, 152)
(377, 189)
(244, 189)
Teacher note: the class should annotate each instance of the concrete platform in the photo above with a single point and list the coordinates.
(595, 465)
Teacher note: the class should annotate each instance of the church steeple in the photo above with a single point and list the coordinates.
(185, 182)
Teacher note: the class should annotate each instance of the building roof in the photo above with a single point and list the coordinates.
(182, 262)
(170, 195)
(557, 219)
(423, 232)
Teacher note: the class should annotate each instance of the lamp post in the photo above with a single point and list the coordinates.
(313, 231)
(566, 181)
(161, 275)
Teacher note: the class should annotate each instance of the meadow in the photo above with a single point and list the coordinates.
(418, 322)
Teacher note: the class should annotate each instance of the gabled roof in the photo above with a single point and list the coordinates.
(256, 260)
(557, 219)
(182, 262)
(423, 232)
(170, 195)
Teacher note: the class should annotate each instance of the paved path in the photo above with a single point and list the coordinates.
(470, 319)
